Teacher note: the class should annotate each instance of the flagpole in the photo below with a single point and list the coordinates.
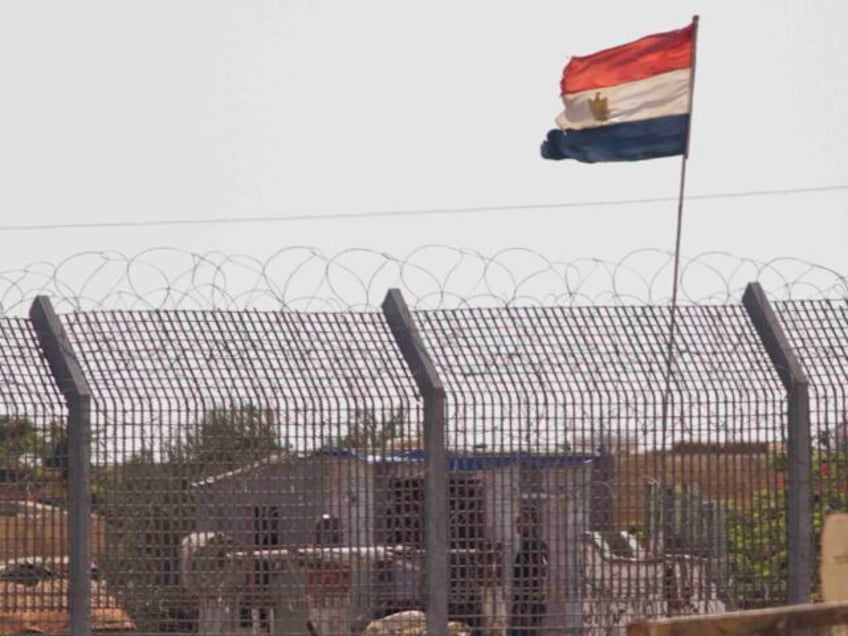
(675, 284)
(683, 172)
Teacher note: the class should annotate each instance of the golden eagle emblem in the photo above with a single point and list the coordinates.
(599, 108)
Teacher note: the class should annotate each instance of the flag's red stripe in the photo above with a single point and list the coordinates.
(637, 60)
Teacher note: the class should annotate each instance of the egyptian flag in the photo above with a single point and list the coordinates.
(626, 103)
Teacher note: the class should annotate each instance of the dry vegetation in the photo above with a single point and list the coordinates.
(721, 477)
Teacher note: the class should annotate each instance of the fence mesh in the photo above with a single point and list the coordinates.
(242, 463)
(33, 485)
(612, 507)
(818, 332)
(263, 472)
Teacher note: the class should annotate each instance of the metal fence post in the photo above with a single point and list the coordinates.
(799, 498)
(423, 370)
(74, 387)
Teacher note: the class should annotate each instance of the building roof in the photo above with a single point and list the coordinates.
(456, 462)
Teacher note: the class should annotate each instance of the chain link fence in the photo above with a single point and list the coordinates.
(513, 470)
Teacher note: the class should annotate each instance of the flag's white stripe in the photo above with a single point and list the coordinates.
(658, 96)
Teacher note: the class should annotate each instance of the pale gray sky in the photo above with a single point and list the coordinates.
(134, 111)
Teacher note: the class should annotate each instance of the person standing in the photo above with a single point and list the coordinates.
(529, 572)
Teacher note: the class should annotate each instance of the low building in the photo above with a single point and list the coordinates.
(339, 537)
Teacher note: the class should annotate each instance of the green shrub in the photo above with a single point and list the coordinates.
(758, 551)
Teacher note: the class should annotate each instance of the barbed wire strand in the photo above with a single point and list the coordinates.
(432, 276)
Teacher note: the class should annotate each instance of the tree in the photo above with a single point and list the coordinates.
(226, 439)
(18, 437)
(149, 508)
(758, 547)
(56, 449)
(367, 432)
